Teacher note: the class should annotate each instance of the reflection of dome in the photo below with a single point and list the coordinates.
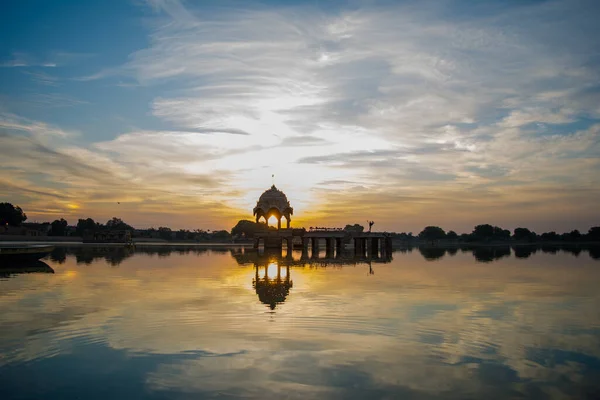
(273, 202)
(272, 289)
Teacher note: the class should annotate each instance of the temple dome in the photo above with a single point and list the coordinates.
(273, 202)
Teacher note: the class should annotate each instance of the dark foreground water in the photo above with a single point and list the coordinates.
(163, 323)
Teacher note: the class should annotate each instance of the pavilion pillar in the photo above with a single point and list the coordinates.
(288, 222)
(255, 244)
(375, 247)
(279, 223)
(359, 246)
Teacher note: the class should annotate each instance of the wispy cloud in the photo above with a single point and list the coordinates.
(42, 78)
(10, 122)
(420, 108)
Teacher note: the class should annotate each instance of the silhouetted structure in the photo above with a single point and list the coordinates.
(271, 287)
(273, 203)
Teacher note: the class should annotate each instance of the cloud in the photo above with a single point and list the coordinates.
(42, 78)
(405, 102)
(10, 123)
(51, 60)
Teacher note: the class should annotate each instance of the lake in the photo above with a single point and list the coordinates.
(163, 322)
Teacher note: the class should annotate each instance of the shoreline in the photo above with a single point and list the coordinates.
(396, 245)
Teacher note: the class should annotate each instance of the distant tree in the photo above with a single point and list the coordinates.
(572, 236)
(594, 233)
(221, 236)
(465, 237)
(432, 233)
(58, 227)
(550, 236)
(118, 224)
(487, 232)
(248, 228)
(482, 232)
(354, 228)
(522, 234)
(451, 235)
(165, 233)
(181, 234)
(502, 234)
(85, 225)
(11, 215)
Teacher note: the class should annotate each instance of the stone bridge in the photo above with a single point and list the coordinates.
(335, 240)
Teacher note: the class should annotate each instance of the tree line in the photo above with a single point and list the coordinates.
(490, 233)
(11, 215)
(14, 216)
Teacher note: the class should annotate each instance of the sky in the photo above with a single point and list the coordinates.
(408, 113)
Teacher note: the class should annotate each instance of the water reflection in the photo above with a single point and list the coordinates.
(272, 285)
(196, 323)
(115, 255)
(28, 267)
(273, 269)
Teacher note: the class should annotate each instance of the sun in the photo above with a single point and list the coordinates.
(272, 221)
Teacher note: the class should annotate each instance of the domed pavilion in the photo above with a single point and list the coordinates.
(273, 203)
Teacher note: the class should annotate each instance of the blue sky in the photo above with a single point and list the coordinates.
(176, 113)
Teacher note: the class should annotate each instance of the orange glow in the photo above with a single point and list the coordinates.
(70, 274)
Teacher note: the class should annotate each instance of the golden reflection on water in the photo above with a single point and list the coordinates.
(256, 326)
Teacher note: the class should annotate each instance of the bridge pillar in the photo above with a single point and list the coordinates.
(338, 245)
(330, 246)
(315, 247)
(255, 244)
(359, 246)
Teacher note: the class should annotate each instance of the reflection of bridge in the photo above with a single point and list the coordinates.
(313, 258)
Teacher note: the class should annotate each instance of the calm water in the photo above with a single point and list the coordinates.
(428, 324)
